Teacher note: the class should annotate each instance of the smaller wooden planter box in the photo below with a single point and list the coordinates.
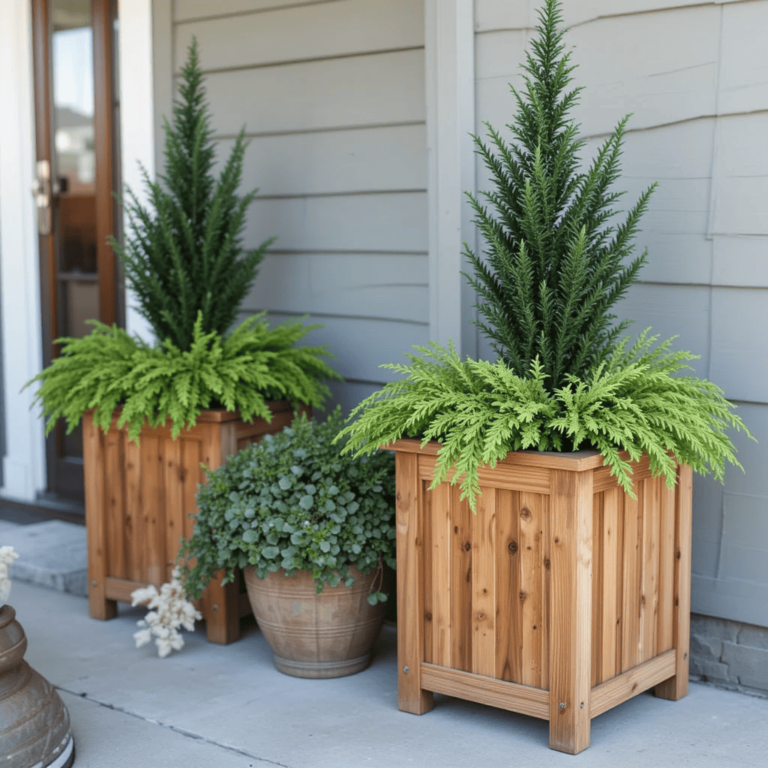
(138, 504)
(561, 598)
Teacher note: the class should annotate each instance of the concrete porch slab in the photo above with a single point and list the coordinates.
(214, 705)
(52, 554)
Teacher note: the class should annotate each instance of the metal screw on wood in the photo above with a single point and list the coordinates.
(406, 670)
(93, 583)
(562, 705)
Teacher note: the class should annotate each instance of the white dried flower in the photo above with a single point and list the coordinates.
(7, 556)
(169, 610)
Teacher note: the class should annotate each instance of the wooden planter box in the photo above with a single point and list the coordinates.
(561, 598)
(138, 504)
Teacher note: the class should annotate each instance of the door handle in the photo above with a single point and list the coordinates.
(41, 191)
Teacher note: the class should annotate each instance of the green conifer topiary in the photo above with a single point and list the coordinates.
(183, 252)
(554, 264)
(554, 267)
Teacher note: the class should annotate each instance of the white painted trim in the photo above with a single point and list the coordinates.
(137, 115)
(450, 81)
(24, 465)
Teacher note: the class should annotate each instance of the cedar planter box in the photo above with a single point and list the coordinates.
(138, 504)
(561, 598)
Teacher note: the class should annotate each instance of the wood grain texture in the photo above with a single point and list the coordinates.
(441, 539)
(511, 478)
(509, 629)
(99, 604)
(484, 613)
(649, 600)
(114, 443)
(676, 687)
(410, 589)
(486, 690)
(571, 500)
(427, 548)
(461, 582)
(533, 510)
(618, 689)
(665, 623)
(610, 595)
(631, 556)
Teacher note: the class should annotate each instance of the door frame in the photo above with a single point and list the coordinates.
(64, 474)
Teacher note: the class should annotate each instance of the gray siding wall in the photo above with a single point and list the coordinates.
(332, 96)
(694, 75)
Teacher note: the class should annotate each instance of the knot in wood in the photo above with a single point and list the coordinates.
(428, 616)
(467, 547)
(480, 616)
(397, 496)
(525, 514)
(512, 547)
(546, 563)
(522, 597)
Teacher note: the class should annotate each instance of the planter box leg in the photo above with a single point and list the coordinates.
(99, 606)
(221, 611)
(410, 590)
(571, 611)
(677, 687)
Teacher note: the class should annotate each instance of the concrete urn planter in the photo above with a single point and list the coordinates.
(323, 635)
(560, 598)
(34, 723)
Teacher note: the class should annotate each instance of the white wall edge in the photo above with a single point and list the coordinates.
(137, 116)
(24, 465)
(450, 82)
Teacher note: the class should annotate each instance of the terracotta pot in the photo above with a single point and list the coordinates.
(316, 635)
(34, 723)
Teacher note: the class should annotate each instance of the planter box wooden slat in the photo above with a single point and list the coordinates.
(140, 501)
(561, 584)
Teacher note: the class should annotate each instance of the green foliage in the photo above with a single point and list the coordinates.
(554, 265)
(110, 368)
(293, 502)
(182, 255)
(634, 401)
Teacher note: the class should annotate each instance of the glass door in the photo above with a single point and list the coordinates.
(76, 110)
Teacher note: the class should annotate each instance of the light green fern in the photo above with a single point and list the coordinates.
(636, 401)
(240, 372)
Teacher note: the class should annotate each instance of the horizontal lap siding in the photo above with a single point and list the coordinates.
(331, 96)
(699, 109)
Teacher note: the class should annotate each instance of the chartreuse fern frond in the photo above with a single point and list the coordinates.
(637, 401)
(110, 368)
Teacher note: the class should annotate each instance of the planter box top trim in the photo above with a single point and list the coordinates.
(575, 461)
(217, 415)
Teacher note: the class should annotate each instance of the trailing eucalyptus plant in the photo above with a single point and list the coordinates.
(294, 502)
(554, 266)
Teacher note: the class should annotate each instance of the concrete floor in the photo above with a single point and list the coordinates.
(222, 707)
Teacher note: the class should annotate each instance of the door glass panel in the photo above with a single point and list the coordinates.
(74, 163)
